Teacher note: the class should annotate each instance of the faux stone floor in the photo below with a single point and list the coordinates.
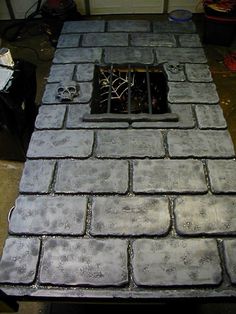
(10, 171)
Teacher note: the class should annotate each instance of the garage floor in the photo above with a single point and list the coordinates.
(37, 47)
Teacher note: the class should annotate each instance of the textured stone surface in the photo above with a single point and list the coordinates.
(210, 117)
(84, 262)
(198, 73)
(153, 40)
(60, 72)
(76, 55)
(222, 175)
(130, 216)
(175, 72)
(83, 26)
(190, 40)
(195, 143)
(176, 176)
(60, 143)
(105, 39)
(50, 117)
(192, 55)
(128, 26)
(68, 41)
(49, 215)
(176, 262)
(84, 72)
(19, 260)
(129, 55)
(129, 143)
(230, 258)
(92, 176)
(173, 27)
(205, 215)
(37, 176)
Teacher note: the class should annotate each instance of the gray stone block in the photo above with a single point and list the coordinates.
(61, 143)
(68, 41)
(172, 262)
(84, 72)
(50, 117)
(130, 143)
(173, 75)
(129, 55)
(222, 175)
(198, 73)
(169, 176)
(84, 262)
(49, 215)
(37, 176)
(196, 143)
(130, 216)
(19, 260)
(186, 92)
(173, 27)
(153, 40)
(209, 215)
(105, 40)
(210, 117)
(190, 40)
(128, 26)
(60, 72)
(83, 26)
(77, 55)
(92, 176)
(191, 55)
(230, 258)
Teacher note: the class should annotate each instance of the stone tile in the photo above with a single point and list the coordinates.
(190, 40)
(39, 215)
(68, 41)
(230, 257)
(62, 143)
(37, 176)
(129, 55)
(105, 40)
(186, 92)
(153, 40)
(84, 262)
(198, 73)
(128, 26)
(173, 262)
(130, 216)
(59, 72)
(129, 143)
(208, 214)
(77, 55)
(189, 55)
(50, 117)
(84, 72)
(196, 143)
(169, 176)
(173, 27)
(174, 72)
(19, 260)
(92, 176)
(222, 175)
(83, 26)
(210, 117)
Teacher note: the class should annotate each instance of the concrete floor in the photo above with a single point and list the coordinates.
(10, 171)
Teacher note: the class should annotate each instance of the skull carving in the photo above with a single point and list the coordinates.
(174, 67)
(67, 90)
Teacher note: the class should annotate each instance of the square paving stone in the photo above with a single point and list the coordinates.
(50, 117)
(210, 117)
(230, 257)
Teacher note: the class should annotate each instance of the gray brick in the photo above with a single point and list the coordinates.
(186, 92)
(50, 117)
(190, 40)
(208, 215)
(129, 55)
(130, 143)
(62, 143)
(92, 176)
(83, 26)
(171, 75)
(37, 176)
(175, 176)
(60, 72)
(153, 40)
(49, 215)
(198, 73)
(130, 216)
(19, 260)
(210, 117)
(84, 262)
(128, 26)
(84, 72)
(222, 175)
(68, 41)
(230, 258)
(105, 40)
(192, 55)
(173, 27)
(172, 262)
(77, 55)
(196, 143)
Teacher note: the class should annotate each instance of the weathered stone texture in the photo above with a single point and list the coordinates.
(105, 40)
(153, 40)
(175, 72)
(191, 55)
(129, 55)
(60, 72)
(76, 55)
(173, 27)
(198, 73)
(50, 117)
(84, 72)
(83, 26)
(210, 117)
(230, 258)
(190, 40)
(67, 41)
(128, 26)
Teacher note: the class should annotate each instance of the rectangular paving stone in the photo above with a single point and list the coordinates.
(198, 73)
(105, 40)
(77, 55)
(84, 262)
(206, 214)
(68, 41)
(60, 72)
(84, 72)
(191, 55)
(152, 40)
(173, 27)
(222, 175)
(190, 40)
(34, 214)
(128, 26)
(185, 92)
(61, 143)
(210, 117)
(196, 143)
(92, 176)
(37, 176)
(174, 262)
(230, 257)
(129, 143)
(130, 216)
(129, 55)
(19, 260)
(50, 117)
(83, 26)
(169, 176)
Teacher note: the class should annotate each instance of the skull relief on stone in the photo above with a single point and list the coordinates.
(67, 90)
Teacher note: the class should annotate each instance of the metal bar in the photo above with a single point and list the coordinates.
(149, 91)
(110, 90)
(87, 7)
(129, 89)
